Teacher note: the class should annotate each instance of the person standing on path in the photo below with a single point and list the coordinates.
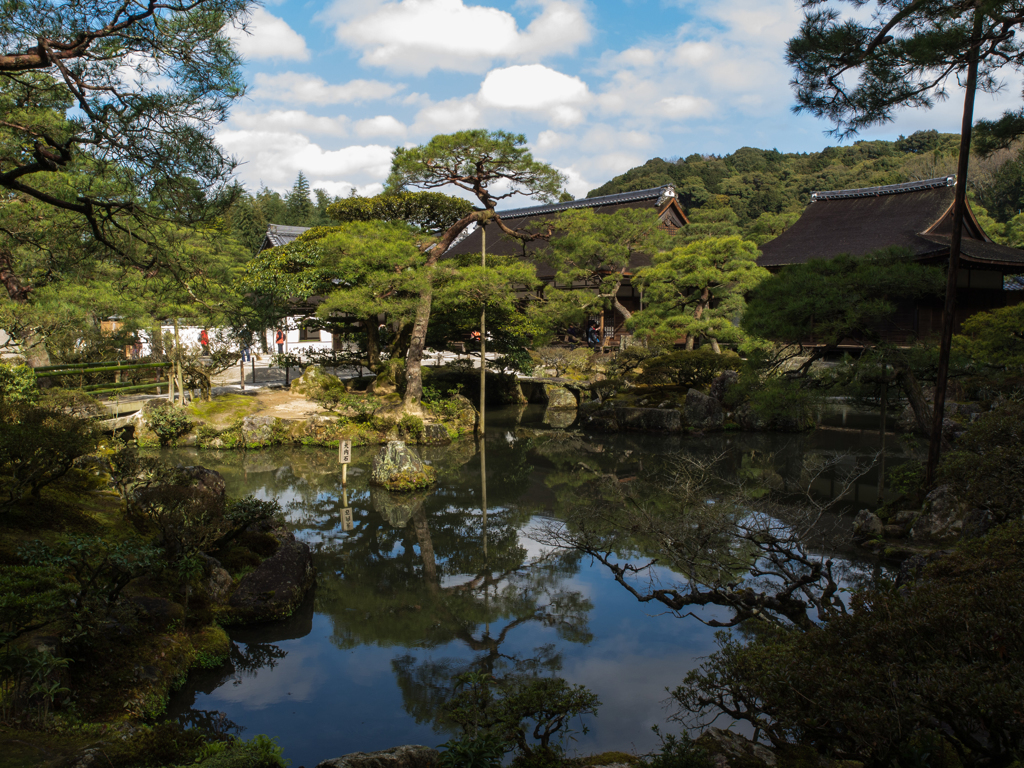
(204, 341)
(279, 340)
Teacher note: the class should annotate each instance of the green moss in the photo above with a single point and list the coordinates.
(412, 481)
(225, 409)
(212, 646)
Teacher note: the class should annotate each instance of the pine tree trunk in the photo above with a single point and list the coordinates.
(918, 404)
(414, 358)
(372, 343)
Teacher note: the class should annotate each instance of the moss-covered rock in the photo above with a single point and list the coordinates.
(398, 468)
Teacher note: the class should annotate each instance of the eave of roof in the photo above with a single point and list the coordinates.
(281, 234)
(654, 193)
(914, 216)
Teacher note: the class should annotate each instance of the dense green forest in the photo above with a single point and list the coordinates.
(762, 186)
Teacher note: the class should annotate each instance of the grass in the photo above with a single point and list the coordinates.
(224, 409)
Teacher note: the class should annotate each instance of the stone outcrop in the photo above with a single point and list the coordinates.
(942, 519)
(867, 525)
(703, 411)
(311, 379)
(396, 508)
(559, 418)
(258, 430)
(398, 468)
(277, 586)
(467, 415)
(411, 756)
(559, 397)
(730, 749)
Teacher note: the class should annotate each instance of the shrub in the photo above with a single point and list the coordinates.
(410, 427)
(329, 392)
(39, 446)
(986, 467)
(940, 657)
(167, 421)
(695, 368)
(17, 385)
(679, 752)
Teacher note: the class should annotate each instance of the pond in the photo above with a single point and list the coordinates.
(413, 591)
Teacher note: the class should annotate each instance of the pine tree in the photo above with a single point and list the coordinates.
(300, 209)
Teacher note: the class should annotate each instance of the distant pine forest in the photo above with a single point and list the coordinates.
(762, 191)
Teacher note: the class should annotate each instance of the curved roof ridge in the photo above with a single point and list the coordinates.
(889, 189)
(666, 190)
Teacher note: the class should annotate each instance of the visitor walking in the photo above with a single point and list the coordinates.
(204, 341)
(279, 340)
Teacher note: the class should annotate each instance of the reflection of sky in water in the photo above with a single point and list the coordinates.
(322, 700)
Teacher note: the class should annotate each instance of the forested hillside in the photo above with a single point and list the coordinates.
(761, 186)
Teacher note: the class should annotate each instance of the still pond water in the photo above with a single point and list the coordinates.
(412, 592)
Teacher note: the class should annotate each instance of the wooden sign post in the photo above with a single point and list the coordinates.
(346, 511)
(344, 456)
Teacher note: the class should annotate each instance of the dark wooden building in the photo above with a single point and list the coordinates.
(917, 216)
(611, 323)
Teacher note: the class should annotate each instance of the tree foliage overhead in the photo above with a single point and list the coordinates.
(428, 211)
(136, 87)
(858, 73)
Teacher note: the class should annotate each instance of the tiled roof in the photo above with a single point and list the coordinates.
(916, 216)
(654, 193)
(281, 234)
(889, 189)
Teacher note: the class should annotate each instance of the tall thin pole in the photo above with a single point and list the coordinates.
(177, 363)
(959, 208)
(483, 335)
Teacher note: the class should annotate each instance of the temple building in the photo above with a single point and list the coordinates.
(917, 216)
(611, 324)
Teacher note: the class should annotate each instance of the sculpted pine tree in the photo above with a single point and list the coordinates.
(481, 163)
(594, 250)
(697, 291)
(858, 73)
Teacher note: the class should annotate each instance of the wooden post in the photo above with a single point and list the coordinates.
(241, 373)
(170, 384)
(344, 457)
(483, 336)
(177, 364)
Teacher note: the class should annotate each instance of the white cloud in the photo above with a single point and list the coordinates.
(309, 89)
(532, 87)
(275, 159)
(416, 36)
(269, 37)
(382, 125)
(448, 116)
(283, 121)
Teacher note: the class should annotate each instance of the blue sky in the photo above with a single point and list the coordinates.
(597, 88)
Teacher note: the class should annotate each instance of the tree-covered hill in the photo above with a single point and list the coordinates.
(753, 182)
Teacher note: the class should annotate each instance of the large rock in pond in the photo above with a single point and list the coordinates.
(398, 468)
(867, 525)
(559, 397)
(466, 415)
(276, 588)
(703, 411)
(396, 508)
(411, 756)
(258, 430)
(559, 418)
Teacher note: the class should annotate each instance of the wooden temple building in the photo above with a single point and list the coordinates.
(611, 324)
(917, 216)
